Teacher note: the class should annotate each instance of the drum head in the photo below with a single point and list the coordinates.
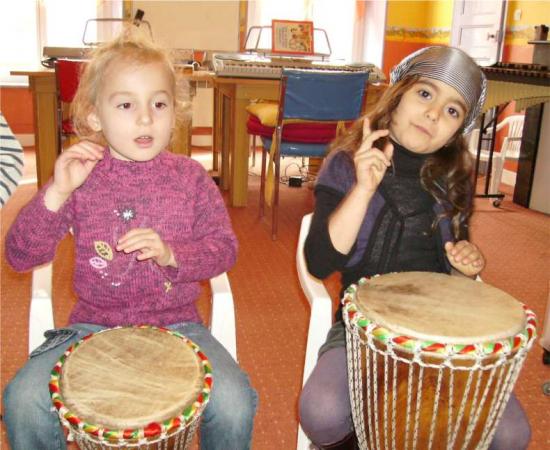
(439, 307)
(129, 377)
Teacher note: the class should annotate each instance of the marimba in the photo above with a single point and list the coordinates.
(527, 84)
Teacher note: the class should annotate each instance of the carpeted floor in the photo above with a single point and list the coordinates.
(272, 313)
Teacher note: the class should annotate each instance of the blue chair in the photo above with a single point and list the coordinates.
(309, 96)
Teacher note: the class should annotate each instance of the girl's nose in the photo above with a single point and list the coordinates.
(433, 113)
(145, 116)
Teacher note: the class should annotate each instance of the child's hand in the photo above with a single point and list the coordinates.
(71, 169)
(371, 163)
(149, 244)
(465, 257)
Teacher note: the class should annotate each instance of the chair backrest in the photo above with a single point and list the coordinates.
(67, 73)
(511, 144)
(472, 142)
(313, 287)
(514, 123)
(321, 95)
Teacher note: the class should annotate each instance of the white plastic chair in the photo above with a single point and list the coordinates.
(320, 319)
(222, 319)
(510, 147)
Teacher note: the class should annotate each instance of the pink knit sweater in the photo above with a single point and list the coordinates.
(170, 194)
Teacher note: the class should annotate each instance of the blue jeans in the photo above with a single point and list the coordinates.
(32, 423)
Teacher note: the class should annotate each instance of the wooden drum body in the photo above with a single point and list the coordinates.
(432, 359)
(133, 387)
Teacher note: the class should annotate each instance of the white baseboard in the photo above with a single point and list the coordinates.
(508, 177)
(28, 181)
(26, 140)
(201, 140)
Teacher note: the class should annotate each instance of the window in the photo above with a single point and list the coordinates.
(337, 19)
(31, 25)
(64, 21)
(19, 26)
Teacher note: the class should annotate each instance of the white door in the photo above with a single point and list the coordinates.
(478, 29)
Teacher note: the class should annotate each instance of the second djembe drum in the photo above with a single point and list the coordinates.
(432, 359)
(132, 387)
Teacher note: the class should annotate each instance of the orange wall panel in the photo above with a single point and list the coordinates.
(518, 53)
(395, 51)
(17, 107)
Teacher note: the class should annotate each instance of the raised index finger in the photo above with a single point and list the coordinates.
(370, 139)
(366, 127)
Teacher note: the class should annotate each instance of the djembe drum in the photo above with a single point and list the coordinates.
(432, 359)
(133, 387)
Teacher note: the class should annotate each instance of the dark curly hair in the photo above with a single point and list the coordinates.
(446, 174)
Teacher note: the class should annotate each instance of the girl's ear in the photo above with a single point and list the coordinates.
(94, 122)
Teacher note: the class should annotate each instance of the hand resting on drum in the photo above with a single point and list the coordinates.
(465, 257)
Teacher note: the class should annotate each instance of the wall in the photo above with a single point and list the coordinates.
(16, 106)
(205, 25)
(201, 25)
(520, 27)
(411, 25)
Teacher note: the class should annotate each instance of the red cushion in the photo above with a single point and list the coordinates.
(67, 126)
(308, 132)
(68, 76)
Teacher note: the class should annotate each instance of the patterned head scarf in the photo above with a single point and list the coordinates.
(452, 66)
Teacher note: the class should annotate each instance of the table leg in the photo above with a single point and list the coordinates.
(45, 126)
(239, 155)
(181, 142)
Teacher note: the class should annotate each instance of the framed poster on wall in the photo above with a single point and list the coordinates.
(292, 37)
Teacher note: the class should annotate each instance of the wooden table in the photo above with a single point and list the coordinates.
(230, 141)
(43, 86)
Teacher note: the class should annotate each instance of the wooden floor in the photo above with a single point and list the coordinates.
(272, 313)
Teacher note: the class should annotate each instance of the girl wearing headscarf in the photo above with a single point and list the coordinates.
(395, 195)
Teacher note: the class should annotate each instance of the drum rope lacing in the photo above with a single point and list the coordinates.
(91, 436)
(181, 441)
(361, 332)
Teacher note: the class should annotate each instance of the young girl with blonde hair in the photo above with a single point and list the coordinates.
(162, 225)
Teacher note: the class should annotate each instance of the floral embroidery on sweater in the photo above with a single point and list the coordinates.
(126, 213)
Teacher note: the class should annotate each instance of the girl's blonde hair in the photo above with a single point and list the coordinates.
(131, 46)
(446, 174)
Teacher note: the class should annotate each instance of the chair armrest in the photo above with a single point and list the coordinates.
(222, 320)
(319, 300)
(41, 311)
(320, 319)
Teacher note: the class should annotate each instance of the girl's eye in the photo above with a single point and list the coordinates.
(160, 105)
(424, 93)
(454, 112)
(125, 105)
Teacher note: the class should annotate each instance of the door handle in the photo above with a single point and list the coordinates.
(493, 35)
